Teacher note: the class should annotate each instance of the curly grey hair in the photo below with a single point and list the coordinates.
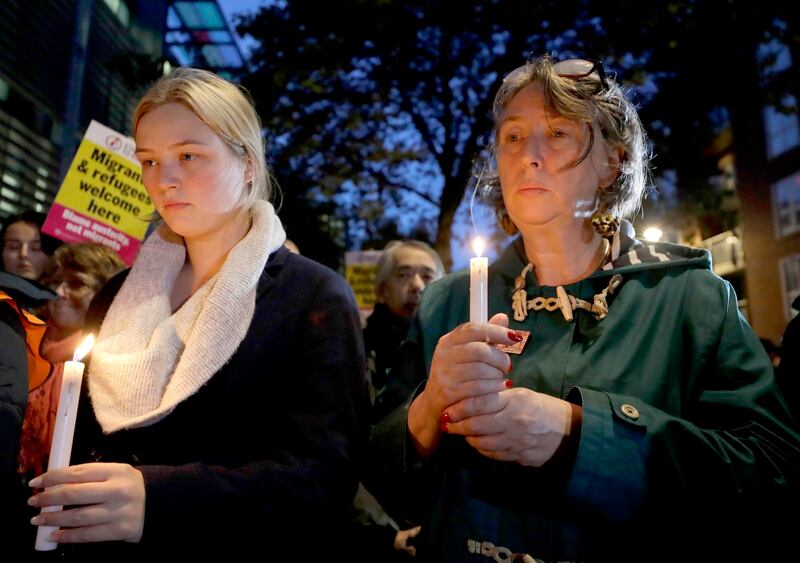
(582, 100)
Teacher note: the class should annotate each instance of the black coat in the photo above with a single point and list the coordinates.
(383, 336)
(261, 459)
(14, 512)
(13, 375)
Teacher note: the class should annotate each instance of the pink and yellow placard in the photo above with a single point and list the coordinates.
(102, 198)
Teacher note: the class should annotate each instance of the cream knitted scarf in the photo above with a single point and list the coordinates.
(148, 359)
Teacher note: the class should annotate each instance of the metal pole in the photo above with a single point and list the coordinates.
(74, 93)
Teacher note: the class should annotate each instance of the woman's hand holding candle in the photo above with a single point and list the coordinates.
(106, 500)
(64, 430)
(467, 394)
(466, 366)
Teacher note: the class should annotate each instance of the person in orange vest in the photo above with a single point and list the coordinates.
(21, 334)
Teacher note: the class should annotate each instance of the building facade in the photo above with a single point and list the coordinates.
(770, 202)
(64, 63)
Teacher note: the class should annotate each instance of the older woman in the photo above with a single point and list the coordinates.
(625, 409)
(75, 272)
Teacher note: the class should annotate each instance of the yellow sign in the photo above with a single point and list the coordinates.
(102, 198)
(106, 188)
(360, 269)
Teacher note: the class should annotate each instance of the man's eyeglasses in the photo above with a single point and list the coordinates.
(581, 68)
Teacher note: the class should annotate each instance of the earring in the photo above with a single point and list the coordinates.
(604, 222)
(506, 223)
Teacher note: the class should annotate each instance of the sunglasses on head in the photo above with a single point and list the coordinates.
(581, 68)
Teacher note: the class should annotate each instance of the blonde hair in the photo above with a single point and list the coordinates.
(583, 100)
(224, 107)
(96, 260)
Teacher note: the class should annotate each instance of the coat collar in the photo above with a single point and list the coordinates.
(274, 264)
(25, 292)
(629, 255)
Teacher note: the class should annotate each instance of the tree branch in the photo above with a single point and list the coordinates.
(386, 182)
(421, 125)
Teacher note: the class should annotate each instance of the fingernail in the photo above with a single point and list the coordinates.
(509, 383)
(445, 418)
(37, 520)
(515, 336)
(443, 427)
(35, 482)
(33, 501)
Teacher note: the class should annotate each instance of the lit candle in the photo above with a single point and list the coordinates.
(478, 281)
(61, 446)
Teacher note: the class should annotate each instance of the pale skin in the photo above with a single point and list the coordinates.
(402, 537)
(22, 250)
(68, 313)
(467, 392)
(195, 182)
(414, 269)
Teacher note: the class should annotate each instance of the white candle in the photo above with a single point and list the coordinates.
(64, 431)
(478, 281)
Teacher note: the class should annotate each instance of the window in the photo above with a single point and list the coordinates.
(727, 255)
(775, 57)
(790, 280)
(786, 205)
(120, 9)
(782, 129)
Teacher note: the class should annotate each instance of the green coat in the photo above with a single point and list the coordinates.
(684, 436)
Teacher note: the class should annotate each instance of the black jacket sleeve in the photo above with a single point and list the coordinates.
(13, 388)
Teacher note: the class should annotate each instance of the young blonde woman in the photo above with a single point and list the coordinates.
(227, 373)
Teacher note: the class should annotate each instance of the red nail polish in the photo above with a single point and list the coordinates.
(443, 427)
(515, 336)
(445, 418)
(509, 383)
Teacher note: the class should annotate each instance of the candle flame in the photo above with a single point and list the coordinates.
(478, 245)
(84, 348)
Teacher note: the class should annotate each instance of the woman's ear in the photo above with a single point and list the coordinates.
(614, 157)
(248, 172)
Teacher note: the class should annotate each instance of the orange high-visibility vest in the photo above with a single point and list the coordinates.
(38, 368)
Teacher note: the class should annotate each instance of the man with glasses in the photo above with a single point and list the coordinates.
(404, 271)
